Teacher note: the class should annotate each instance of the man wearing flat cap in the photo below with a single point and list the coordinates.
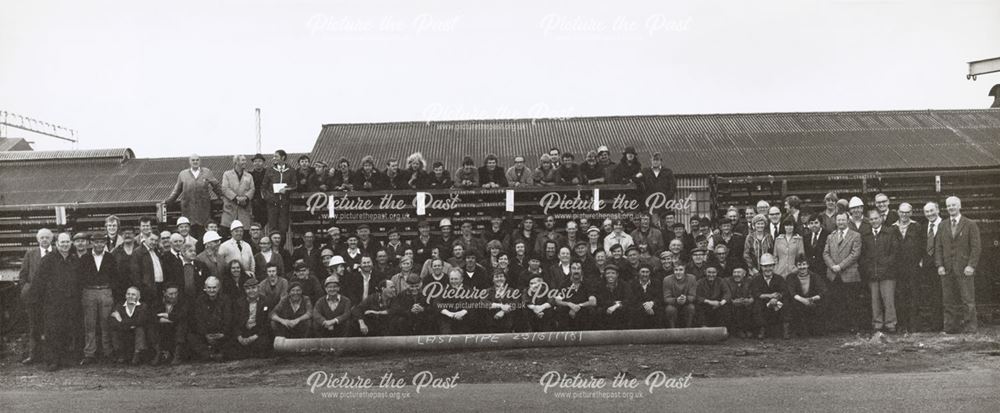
(614, 301)
(411, 312)
(253, 338)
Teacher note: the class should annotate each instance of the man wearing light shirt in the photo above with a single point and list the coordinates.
(96, 275)
(930, 281)
(150, 276)
(237, 249)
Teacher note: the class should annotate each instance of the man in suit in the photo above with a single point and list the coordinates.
(237, 193)
(151, 273)
(194, 188)
(57, 292)
(878, 261)
(98, 270)
(841, 254)
(360, 283)
(910, 236)
(930, 281)
(957, 256)
(814, 243)
(29, 271)
(774, 226)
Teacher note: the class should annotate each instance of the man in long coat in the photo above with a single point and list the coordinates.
(194, 187)
(237, 192)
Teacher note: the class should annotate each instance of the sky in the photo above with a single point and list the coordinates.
(173, 78)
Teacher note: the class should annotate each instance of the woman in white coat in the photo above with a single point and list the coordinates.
(238, 189)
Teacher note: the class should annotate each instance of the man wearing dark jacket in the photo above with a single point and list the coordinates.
(770, 294)
(251, 330)
(647, 300)
(169, 326)
(98, 269)
(491, 175)
(279, 182)
(29, 273)
(878, 261)
(211, 328)
(656, 178)
(912, 241)
(57, 292)
(806, 290)
(814, 243)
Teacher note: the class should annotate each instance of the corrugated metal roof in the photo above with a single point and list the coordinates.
(121, 154)
(71, 180)
(14, 144)
(698, 144)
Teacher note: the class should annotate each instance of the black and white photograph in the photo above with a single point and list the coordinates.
(451, 206)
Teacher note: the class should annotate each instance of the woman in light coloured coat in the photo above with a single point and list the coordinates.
(237, 190)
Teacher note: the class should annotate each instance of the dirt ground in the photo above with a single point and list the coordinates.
(921, 352)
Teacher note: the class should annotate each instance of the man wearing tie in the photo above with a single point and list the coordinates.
(774, 222)
(930, 281)
(956, 256)
(29, 270)
(843, 249)
(878, 260)
(814, 242)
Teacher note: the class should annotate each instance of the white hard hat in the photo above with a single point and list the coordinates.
(767, 259)
(335, 260)
(210, 236)
(445, 223)
(236, 224)
(855, 202)
(183, 220)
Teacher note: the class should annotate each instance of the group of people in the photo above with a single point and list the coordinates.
(255, 191)
(139, 295)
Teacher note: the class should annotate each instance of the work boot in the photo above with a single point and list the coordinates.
(760, 334)
(158, 357)
(136, 359)
(785, 334)
(178, 356)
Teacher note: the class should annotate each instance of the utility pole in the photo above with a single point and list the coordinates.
(257, 110)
